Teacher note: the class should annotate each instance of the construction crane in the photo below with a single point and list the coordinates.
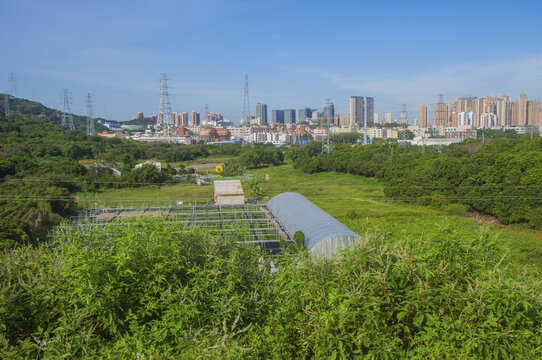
(327, 146)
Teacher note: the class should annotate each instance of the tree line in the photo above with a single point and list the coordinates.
(502, 178)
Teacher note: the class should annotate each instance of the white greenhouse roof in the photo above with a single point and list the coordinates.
(324, 235)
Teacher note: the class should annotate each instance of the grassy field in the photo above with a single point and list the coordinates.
(355, 201)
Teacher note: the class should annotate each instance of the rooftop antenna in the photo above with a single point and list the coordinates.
(246, 105)
(67, 119)
(90, 119)
(165, 106)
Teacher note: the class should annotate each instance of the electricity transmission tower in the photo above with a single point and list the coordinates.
(90, 118)
(12, 91)
(246, 105)
(67, 120)
(12, 85)
(404, 118)
(165, 106)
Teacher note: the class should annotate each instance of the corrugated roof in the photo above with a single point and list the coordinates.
(324, 235)
(228, 187)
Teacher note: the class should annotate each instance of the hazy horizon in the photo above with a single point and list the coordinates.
(296, 54)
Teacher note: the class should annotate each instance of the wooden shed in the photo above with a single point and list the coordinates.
(229, 192)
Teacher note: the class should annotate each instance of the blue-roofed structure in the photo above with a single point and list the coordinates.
(324, 235)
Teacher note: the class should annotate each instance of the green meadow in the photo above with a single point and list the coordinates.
(356, 201)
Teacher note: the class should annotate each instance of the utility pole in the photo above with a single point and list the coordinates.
(90, 119)
(67, 119)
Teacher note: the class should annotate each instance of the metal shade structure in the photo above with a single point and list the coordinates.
(324, 235)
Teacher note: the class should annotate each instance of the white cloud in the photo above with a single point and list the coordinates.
(510, 77)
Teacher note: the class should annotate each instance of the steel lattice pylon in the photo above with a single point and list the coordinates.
(164, 113)
(90, 118)
(67, 119)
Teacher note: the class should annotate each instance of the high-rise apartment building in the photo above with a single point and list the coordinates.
(521, 111)
(387, 116)
(440, 114)
(303, 114)
(504, 110)
(140, 115)
(329, 113)
(478, 106)
(316, 115)
(289, 116)
(424, 113)
(465, 118)
(357, 110)
(533, 108)
(194, 118)
(278, 116)
(369, 110)
(183, 119)
(261, 113)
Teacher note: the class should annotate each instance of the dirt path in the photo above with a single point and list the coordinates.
(486, 219)
(369, 200)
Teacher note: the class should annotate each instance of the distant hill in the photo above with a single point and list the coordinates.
(28, 107)
(144, 121)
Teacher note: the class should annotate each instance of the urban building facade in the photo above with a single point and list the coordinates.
(357, 110)
(261, 113)
(424, 112)
(194, 118)
(329, 113)
(277, 116)
(289, 116)
(304, 114)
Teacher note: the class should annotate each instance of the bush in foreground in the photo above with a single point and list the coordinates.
(154, 290)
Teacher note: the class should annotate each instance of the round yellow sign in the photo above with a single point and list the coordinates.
(219, 168)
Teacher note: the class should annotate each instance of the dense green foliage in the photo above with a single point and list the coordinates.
(502, 178)
(150, 290)
(43, 167)
(252, 158)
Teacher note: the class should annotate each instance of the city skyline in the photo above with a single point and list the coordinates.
(117, 54)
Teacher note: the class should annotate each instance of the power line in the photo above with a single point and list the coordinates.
(487, 186)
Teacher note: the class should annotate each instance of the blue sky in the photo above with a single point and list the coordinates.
(296, 53)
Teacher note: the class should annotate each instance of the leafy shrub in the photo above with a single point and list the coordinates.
(456, 209)
(152, 289)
